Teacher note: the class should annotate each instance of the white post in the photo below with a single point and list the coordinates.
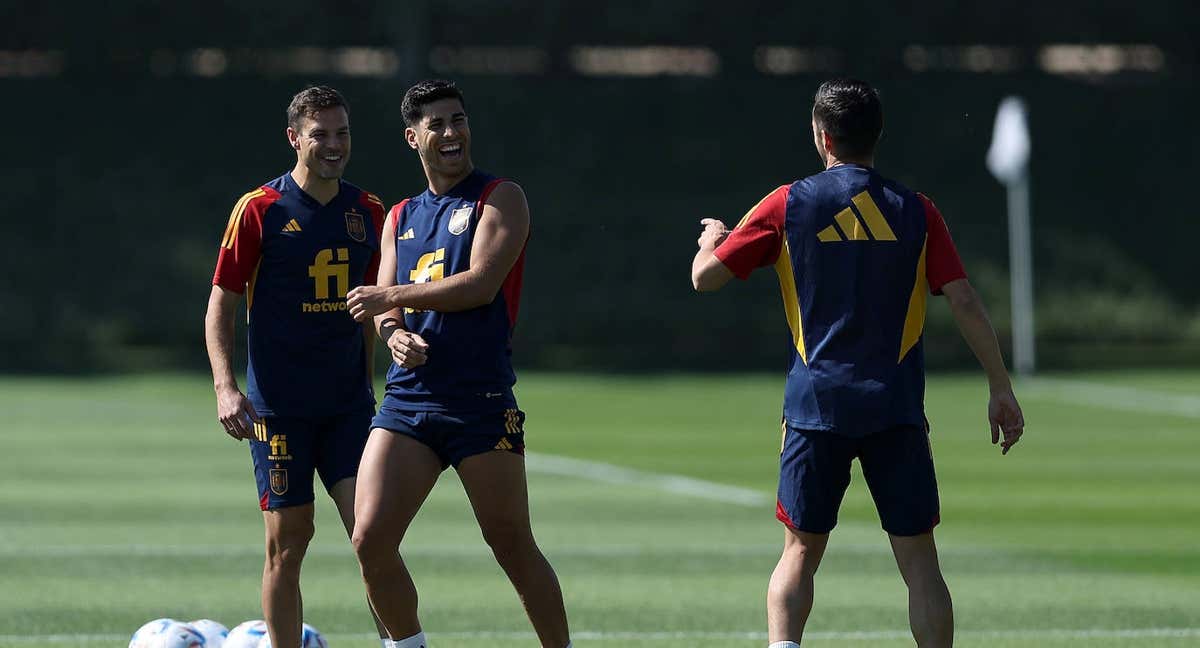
(1008, 160)
(1020, 254)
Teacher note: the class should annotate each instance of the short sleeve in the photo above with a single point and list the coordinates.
(758, 238)
(242, 243)
(942, 263)
(378, 214)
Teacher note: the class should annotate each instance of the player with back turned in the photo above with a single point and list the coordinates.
(856, 255)
(445, 305)
(295, 246)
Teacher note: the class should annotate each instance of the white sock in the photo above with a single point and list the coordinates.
(415, 641)
(784, 644)
(568, 645)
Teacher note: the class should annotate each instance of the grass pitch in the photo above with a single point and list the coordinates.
(121, 500)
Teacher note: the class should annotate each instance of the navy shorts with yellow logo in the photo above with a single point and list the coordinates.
(454, 436)
(286, 450)
(897, 463)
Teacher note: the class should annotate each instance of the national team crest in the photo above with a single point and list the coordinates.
(356, 227)
(459, 219)
(279, 481)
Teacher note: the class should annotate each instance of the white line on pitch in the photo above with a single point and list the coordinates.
(613, 550)
(678, 484)
(343, 549)
(603, 635)
(618, 635)
(1113, 397)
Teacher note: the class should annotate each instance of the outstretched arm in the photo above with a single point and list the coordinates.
(1004, 413)
(708, 272)
(755, 242)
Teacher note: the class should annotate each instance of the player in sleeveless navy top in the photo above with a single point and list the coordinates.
(446, 304)
(856, 255)
(295, 246)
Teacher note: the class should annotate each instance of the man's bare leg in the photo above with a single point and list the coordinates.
(342, 494)
(930, 611)
(790, 593)
(288, 532)
(495, 484)
(394, 478)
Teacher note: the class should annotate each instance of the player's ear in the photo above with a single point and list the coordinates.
(293, 138)
(827, 140)
(410, 136)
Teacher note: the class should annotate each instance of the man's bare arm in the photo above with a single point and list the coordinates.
(499, 238)
(234, 411)
(708, 272)
(1004, 413)
(407, 349)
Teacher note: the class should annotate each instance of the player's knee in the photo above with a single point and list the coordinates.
(286, 547)
(804, 557)
(925, 578)
(509, 539)
(370, 545)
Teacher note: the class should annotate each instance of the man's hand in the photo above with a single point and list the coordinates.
(408, 349)
(1005, 416)
(367, 301)
(713, 235)
(235, 413)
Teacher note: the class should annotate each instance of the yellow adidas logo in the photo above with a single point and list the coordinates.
(292, 226)
(407, 235)
(855, 222)
(512, 425)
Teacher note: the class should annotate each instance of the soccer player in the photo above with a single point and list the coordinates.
(445, 305)
(856, 255)
(295, 246)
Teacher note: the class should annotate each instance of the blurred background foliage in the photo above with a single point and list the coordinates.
(133, 127)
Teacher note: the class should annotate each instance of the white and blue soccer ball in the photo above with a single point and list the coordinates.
(246, 635)
(147, 635)
(309, 638)
(178, 635)
(214, 633)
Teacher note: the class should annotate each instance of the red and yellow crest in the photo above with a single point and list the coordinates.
(279, 481)
(356, 226)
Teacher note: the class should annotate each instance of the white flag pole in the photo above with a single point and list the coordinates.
(1008, 160)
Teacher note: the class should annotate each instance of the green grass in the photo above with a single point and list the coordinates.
(121, 501)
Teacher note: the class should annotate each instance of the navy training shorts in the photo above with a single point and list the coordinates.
(897, 463)
(454, 436)
(286, 450)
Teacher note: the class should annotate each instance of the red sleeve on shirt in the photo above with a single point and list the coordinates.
(942, 264)
(242, 242)
(378, 212)
(758, 238)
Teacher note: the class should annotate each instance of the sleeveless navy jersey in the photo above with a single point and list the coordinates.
(296, 259)
(856, 255)
(470, 352)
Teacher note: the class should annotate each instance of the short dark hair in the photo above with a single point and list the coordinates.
(311, 100)
(425, 93)
(851, 112)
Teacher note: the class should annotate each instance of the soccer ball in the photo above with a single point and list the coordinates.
(246, 635)
(178, 635)
(147, 635)
(309, 638)
(214, 633)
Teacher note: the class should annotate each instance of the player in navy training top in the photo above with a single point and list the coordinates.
(296, 246)
(856, 255)
(446, 305)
